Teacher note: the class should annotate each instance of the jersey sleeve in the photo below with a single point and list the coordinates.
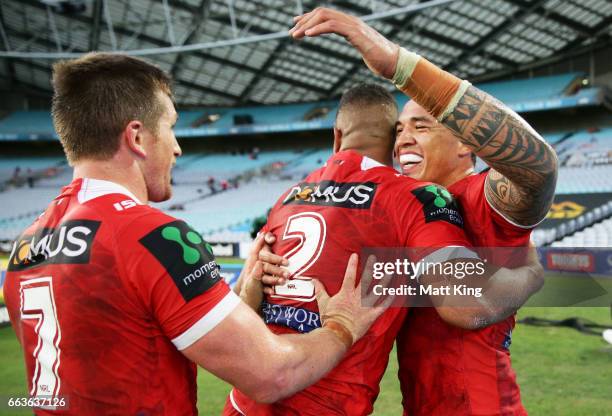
(430, 222)
(514, 234)
(177, 278)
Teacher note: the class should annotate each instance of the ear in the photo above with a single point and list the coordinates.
(463, 150)
(337, 139)
(133, 138)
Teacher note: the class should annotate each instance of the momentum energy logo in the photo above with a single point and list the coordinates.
(442, 196)
(438, 205)
(69, 243)
(187, 258)
(331, 193)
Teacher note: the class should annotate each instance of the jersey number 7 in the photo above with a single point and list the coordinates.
(38, 303)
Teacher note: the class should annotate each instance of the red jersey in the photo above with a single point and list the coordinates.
(103, 293)
(351, 203)
(445, 370)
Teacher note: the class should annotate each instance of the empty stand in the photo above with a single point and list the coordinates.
(233, 207)
(535, 94)
(27, 122)
(597, 235)
(578, 180)
(530, 89)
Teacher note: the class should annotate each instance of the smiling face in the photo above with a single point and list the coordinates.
(428, 151)
(162, 150)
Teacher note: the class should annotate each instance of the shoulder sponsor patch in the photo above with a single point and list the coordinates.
(68, 243)
(438, 204)
(333, 194)
(185, 255)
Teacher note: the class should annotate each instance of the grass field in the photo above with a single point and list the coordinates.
(560, 371)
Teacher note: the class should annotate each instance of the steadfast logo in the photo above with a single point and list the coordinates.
(438, 205)
(330, 193)
(187, 258)
(69, 243)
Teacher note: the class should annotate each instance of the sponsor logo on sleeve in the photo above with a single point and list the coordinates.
(185, 255)
(357, 195)
(69, 243)
(438, 205)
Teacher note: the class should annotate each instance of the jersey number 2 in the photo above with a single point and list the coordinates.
(38, 303)
(310, 229)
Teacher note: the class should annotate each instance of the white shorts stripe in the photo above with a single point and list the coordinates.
(234, 404)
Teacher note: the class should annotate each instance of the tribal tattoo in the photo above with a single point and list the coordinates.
(522, 181)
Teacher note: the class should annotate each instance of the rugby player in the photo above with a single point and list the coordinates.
(113, 301)
(356, 200)
(444, 369)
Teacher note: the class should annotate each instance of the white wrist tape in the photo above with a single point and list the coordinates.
(406, 62)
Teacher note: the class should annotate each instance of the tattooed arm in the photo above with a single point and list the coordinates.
(521, 183)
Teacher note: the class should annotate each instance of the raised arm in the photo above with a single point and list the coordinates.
(522, 181)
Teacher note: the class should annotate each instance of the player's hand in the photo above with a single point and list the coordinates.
(273, 272)
(346, 307)
(250, 261)
(379, 53)
(260, 263)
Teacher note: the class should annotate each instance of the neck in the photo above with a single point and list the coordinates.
(383, 157)
(369, 146)
(456, 176)
(128, 176)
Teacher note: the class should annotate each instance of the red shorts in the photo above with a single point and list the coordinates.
(446, 370)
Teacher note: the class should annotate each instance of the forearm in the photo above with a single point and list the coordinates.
(509, 289)
(485, 299)
(267, 367)
(299, 367)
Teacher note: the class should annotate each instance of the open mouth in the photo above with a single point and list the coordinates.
(409, 162)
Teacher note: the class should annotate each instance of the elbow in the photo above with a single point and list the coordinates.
(472, 318)
(464, 318)
(270, 388)
(552, 170)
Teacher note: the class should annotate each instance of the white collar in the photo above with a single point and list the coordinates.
(367, 163)
(94, 188)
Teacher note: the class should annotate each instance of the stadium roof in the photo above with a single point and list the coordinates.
(259, 64)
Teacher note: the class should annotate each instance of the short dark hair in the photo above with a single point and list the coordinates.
(473, 156)
(96, 95)
(365, 94)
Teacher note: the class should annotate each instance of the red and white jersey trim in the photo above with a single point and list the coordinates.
(205, 324)
(367, 163)
(508, 220)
